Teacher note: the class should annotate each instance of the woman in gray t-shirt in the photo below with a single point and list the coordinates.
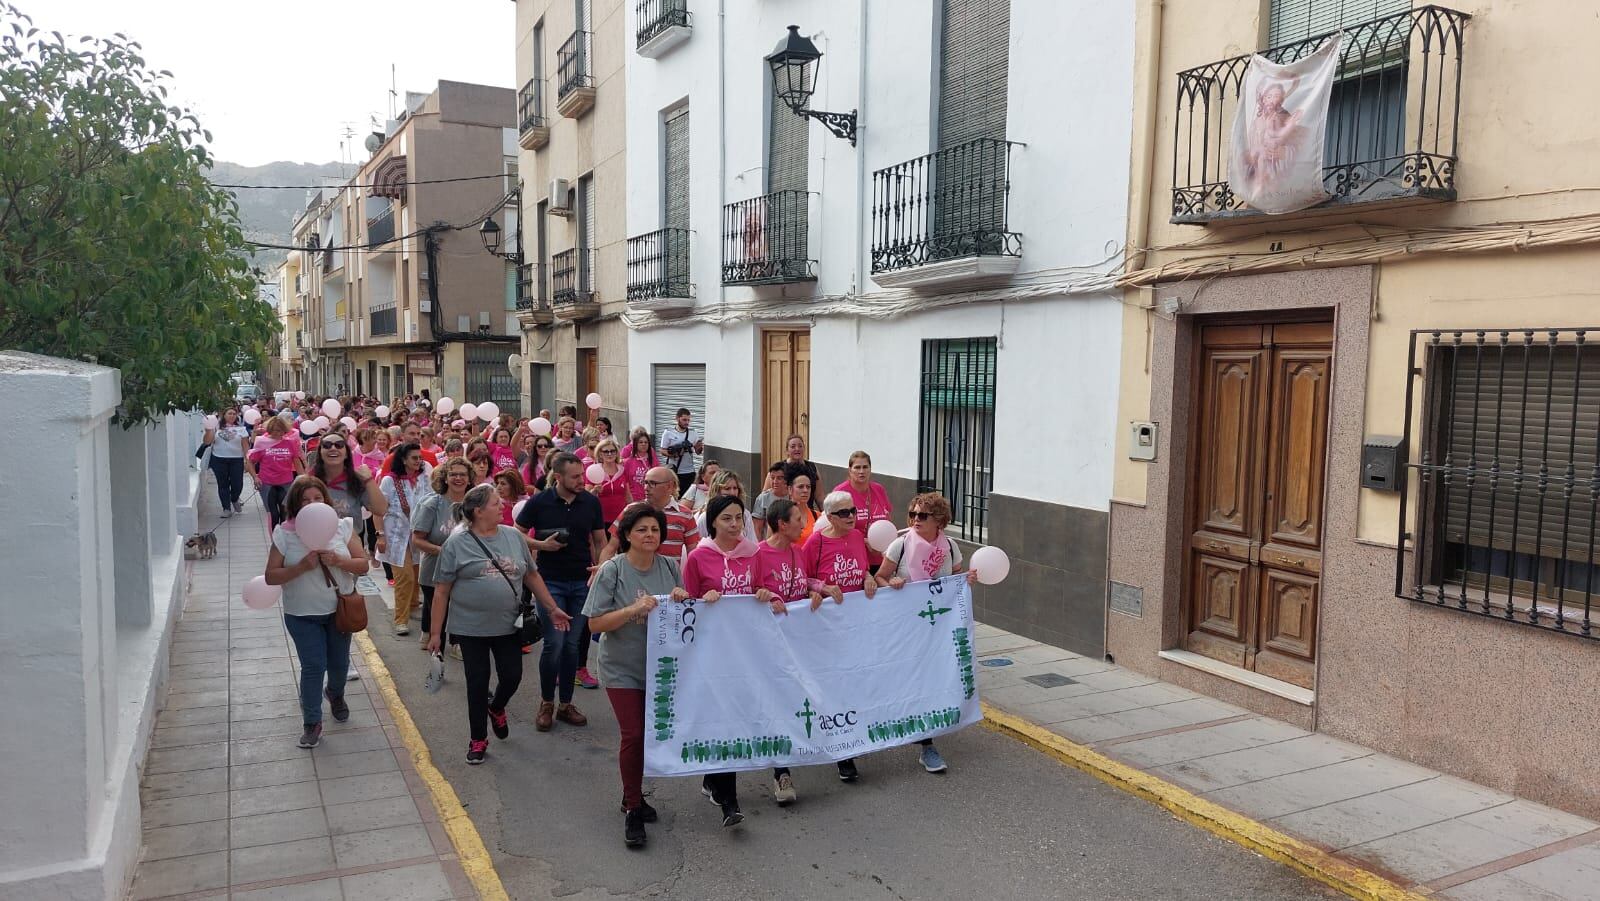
(477, 580)
(623, 593)
(432, 522)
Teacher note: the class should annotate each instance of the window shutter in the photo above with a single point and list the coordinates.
(974, 57)
(788, 145)
(676, 170)
(586, 240)
(1296, 20)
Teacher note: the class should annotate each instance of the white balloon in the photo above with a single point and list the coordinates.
(595, 473)
(316, 524)
(539, 426)
(382, 412)
(445, 405)
(331, 408)
(881, 534)
(516, 510)
(299, 395)
(322, 423)
(593, 401)
(210, 422)
(469, 412)
(251, 415)
(349, 422)
(991, 564)
(488, 412)
(308, 427)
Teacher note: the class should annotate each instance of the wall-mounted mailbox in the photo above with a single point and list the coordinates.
(1381, 457)
(1142, 441)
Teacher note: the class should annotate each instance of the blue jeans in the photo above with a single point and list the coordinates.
(558, 661)
(230, 479)
(324, 653)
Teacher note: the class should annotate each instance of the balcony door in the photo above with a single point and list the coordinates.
(586, 239)
(1254, 556)
(968, 203)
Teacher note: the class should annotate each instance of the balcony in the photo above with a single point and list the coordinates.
(575, 75)
(766, 240)
(533, 130)
(658, 271)
(663, 24)
(572, 295)
(380, 228)
(944, 217)
(1391, 131)
(383, 322)
(333, 330)
(533, 297)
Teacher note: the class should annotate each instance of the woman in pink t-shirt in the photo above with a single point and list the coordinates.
(274, 461)
(871, 500)
(501, 451)
(727, 563)
(836, 554)
(619, 488)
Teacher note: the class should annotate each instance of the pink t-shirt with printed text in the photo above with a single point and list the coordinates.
(707, 569)
(781, 572)
(837, 561)
(274, 459)
(871, 506)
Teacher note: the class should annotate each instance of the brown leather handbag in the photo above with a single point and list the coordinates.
(350, 616)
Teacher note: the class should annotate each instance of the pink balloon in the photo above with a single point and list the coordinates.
(881, 534)
(488, 412)
(211, 422)
(593, 401)
(316, 525)
(299, 395)
(382, 412)
(308, 427)
(991, 564)
(349, 422)
(258, 595)
(539, 426)
(251, 415)
(595, 473)
(331, 408)
(459, 424)
(446, 405)
(516, 510)
(469, 412)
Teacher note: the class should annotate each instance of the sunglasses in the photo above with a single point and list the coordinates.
(334, 445)
(659, 482)
(919, 515)
(848, 511)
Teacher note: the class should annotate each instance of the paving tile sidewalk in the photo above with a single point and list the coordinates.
(233, 808)
(1433, 833)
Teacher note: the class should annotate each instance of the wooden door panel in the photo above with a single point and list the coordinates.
(1221, 600)
(802, 394)
(786, 390)
(1297, 445)
(1288, 627)
(1229, 406)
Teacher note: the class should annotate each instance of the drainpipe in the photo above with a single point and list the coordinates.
(1144, 168)
(859, 277)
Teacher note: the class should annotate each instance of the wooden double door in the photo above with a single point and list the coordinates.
(1254, 549)
(786, 393)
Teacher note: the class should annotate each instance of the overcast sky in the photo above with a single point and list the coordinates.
(280, 80)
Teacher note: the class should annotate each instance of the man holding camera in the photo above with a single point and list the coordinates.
(568, 529)
(679, 445)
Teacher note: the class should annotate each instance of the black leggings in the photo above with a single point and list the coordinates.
(475, 654)
(427, 611)
(275, 497)
(724, 787)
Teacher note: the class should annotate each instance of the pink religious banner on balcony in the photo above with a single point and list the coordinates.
(1275, 163)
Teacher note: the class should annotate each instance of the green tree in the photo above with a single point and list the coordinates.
(114, 246)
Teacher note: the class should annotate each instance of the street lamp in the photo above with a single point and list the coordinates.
(489, 231)
(789, 62)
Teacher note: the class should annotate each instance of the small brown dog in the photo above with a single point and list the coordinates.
(205, 545)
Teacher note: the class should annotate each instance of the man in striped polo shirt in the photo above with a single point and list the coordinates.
(661, 488)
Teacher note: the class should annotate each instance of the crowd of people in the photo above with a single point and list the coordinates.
(484, 522)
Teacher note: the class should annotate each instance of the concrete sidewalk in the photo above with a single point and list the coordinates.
(232, 806)
(1431, 833)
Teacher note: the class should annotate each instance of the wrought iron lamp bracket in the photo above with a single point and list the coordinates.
(843, 125)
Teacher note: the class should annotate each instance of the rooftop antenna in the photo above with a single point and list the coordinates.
(393, 94)
(349, 133)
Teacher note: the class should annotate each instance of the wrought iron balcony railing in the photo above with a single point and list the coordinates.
(575, 63)
(656, 16)
(530, 106)
(572, 277)
(765, 240)
(383, 321)
(1391, 130)
(532, 289)
(949, 204)
(658, 265)
(380, 228)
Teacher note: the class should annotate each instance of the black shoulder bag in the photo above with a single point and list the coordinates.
(530, 632)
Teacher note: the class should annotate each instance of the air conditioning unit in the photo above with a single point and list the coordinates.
(560, 197)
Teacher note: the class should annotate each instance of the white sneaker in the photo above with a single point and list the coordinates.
(238, 507)
(226, 513)
(401, 630)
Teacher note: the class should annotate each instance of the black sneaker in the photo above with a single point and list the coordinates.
(633, 829)
(847, 771)
(646, 810)
(499, 723)
(312, 736)
(341, 710)
(476, 751)
(731, 815)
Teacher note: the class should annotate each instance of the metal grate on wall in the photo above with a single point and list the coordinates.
(955, 449)
(488, 377)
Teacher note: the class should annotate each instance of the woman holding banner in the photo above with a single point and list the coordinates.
(620, 599)
(922, 554)
(781, 577)
(724, 565)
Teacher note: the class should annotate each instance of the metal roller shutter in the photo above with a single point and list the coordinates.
(974, 52)
(1296, 20)
(675, 385)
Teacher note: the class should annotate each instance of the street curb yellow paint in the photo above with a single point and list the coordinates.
(1208, 815)
(474, 856)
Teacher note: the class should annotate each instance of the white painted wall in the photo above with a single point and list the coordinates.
(1069, 101)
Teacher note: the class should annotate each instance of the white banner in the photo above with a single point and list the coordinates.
(1278, 131)
(734, 687)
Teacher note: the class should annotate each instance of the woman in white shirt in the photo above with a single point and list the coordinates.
(309, 602)
(229, 441)
(404, 486)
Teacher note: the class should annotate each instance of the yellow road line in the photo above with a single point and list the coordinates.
(1208, 815)
(474, 856)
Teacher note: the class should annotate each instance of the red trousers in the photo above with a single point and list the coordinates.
(628, 704)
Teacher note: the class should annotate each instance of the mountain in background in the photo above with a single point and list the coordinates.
(267, 214)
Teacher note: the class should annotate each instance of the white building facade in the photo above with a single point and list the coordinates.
(936, 294)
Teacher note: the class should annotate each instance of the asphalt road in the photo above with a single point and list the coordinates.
(1004, 822)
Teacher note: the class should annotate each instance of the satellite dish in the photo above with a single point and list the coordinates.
(374, 141)
(514, 363)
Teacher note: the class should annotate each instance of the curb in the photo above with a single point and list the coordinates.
(473, 855)
(1208, 815)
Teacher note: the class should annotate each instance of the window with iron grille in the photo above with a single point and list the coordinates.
(1508, 467)
(955, 455)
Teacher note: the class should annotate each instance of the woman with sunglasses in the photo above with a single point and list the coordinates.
(836, 557)
(352, 490)
(642, 449)
(533, 471)
(870, 498)
(404, 488)
(431, 525)
(623, 483)
(923, 553)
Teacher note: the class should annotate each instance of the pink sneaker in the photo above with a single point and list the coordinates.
(586, 680)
